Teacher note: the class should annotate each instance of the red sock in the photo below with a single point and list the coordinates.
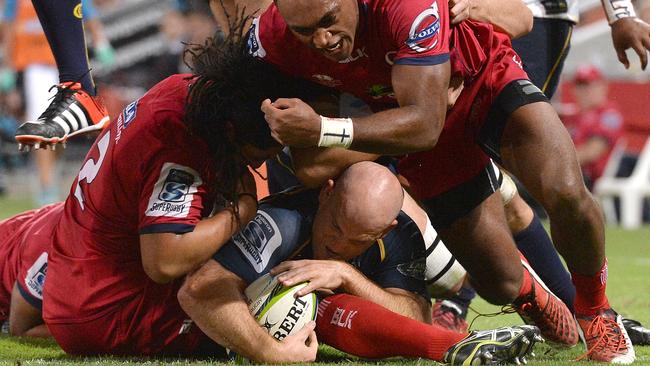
(590, 292)
(365, 329)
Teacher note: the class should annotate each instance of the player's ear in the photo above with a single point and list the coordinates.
(389, 228)
(326, 191)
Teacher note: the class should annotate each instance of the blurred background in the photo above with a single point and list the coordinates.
(136, 43)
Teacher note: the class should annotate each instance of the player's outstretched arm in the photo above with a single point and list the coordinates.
(314, 165)
(214, 298)
(509, 16)
(339, 275)
(414, 126)
(25, 320)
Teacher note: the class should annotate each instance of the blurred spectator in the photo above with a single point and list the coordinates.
(595, 124)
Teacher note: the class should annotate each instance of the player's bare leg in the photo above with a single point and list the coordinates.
(537, 149)
(482, 243)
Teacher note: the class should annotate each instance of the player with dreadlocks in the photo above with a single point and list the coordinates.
(161, 190)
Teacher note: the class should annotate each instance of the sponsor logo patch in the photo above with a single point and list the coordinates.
(35, 279)
(129, 113)
(415, 269)
(259, 240)
(424, 31)
(174, 191)
(254, 44)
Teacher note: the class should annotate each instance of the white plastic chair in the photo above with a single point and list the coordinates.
(631, 191)
(614, 161)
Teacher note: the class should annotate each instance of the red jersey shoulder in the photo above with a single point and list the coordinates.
(420, 28)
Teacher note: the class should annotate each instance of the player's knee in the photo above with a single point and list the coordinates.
(518, 214)
(570, 198)
(189, 292)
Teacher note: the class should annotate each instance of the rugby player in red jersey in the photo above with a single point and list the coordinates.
(160, 191)
(24, 243)
(395, 55)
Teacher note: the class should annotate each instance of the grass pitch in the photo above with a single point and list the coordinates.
(628, 290)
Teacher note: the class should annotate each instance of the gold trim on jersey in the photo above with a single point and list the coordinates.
(559, 59)
(382, 249)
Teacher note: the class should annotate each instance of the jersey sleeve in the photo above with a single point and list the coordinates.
(402, 262)
(31, 279)
(173, 199)
(421, 30)
(173, 195)
(274, 235)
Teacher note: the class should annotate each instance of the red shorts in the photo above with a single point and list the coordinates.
(457, 157)
(150, 323)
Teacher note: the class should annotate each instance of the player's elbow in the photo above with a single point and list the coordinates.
(195, 288)
(161, 273)
(187, 295)
(427, 137)
(523, 25)
(313, 176)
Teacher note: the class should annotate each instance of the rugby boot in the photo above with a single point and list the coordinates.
(639, 335)
(545, 310)
(71, 112)
(605, 338)
(494, 347)
(449, 315)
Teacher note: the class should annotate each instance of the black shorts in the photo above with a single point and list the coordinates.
(516, 94)
(448, 207)
(543, 51)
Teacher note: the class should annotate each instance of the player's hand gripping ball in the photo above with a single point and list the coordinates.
(276, 308)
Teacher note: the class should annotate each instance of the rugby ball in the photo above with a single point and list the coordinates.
(277, 310)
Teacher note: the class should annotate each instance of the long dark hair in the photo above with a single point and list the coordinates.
(223, 104)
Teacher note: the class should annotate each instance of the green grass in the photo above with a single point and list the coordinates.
(628, 290)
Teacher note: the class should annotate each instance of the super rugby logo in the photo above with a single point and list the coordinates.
(176, 186)
(259, 240)
(174, 191)
(423, 35)
(129, 113)
(35, 279)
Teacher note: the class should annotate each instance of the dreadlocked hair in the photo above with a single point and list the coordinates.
(223, 103)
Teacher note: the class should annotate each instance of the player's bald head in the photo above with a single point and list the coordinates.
(368, 196)
(356, 210)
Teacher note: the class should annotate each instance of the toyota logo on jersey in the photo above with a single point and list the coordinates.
(423, 35)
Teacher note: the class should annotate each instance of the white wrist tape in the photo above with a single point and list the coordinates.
(618, 9)
(336, 132)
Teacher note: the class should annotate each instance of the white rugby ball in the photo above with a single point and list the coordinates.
(275, 308)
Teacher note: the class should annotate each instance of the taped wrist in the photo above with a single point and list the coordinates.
(336, 132)
(618, 9)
